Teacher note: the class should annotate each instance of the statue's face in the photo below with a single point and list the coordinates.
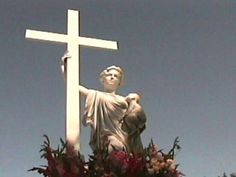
(111, 80)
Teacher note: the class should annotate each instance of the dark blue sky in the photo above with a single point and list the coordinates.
(180, 55)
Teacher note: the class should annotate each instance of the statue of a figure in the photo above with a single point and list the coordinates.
(116, 121)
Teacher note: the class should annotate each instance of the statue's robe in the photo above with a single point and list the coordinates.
(104, 113)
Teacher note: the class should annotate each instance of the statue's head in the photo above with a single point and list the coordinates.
(112, 77)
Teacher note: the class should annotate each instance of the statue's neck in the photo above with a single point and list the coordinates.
(110, 91)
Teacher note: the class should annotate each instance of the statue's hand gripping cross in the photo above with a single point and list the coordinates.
(73, 41)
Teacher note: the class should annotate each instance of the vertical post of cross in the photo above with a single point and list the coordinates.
(72, 93)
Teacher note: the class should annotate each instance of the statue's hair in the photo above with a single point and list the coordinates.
(105, 73)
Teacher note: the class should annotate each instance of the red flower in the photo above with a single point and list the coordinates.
(119, 161)
(136, 165)
(123, 163)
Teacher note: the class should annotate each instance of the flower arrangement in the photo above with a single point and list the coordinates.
(64, 162)
(160, 164)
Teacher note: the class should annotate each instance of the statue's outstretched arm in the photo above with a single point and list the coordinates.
(83, 90)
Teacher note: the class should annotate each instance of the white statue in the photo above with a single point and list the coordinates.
(116, 121)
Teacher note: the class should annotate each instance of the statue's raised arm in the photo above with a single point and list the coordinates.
(63, 64)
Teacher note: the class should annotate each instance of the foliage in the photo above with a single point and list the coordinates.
(64, 162)
(61, 164)
(231, 175)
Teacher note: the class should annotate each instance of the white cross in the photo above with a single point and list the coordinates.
(73, 41)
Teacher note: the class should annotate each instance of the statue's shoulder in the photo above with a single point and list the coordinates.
(121, 96)
(94, 91)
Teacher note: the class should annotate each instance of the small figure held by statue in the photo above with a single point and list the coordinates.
(134, 122)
